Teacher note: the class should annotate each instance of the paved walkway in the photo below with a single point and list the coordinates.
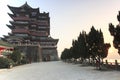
(56, 71)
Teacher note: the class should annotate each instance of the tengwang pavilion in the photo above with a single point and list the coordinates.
(30, 33)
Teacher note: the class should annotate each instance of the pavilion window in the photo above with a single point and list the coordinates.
(33, 19)
(33, 25)
(22, 35)
(33, 37)
(42, 16)
(17, 15)
(27, 15)
(33, 13)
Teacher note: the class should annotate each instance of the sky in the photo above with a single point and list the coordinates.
(69, 17)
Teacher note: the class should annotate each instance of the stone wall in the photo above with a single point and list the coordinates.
(37, 54)
(49, 54)
(32, 53)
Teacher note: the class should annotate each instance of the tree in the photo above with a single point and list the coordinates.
(97, 48)
(93, 41)
(75, 49)
(89, 45)
(115, 32)
(105, 49)
(83, 45)
(65, 54)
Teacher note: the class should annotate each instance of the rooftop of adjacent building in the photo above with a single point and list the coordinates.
(5, 44)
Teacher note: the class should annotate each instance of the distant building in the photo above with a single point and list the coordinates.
(5, 47)
(30, 32)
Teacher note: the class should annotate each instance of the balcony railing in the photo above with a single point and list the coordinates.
(20, 31)
(39, 33)
(34, 44)
(26, 44)
(21, 18)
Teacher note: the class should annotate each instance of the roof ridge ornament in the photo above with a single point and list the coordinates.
(26, 5)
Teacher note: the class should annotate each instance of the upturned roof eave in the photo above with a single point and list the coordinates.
(13, 9)
(10, 26)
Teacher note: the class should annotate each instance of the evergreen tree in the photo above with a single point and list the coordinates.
(83, 50)
(64, 54)
(75, 49)
(92, 41)
(97, 47)
(87, 46)
(115, 32)
(105, 49)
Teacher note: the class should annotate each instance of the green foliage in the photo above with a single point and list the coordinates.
(65, 54)
(115, 32)
(95, 41)
(105, 48)
(24, 61)
(16, 56)
(83, 45)
(75, 49)
(5, 62)
(89, 45)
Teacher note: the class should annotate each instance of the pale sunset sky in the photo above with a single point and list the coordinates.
(69, 17)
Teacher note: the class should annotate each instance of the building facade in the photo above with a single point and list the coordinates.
(30, 32)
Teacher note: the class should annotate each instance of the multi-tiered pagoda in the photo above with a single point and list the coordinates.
(30, 32)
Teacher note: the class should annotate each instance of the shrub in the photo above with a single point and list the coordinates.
(24, 61)
(6, 63)
(16, 57)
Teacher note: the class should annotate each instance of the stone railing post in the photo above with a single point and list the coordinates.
(116, 64)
